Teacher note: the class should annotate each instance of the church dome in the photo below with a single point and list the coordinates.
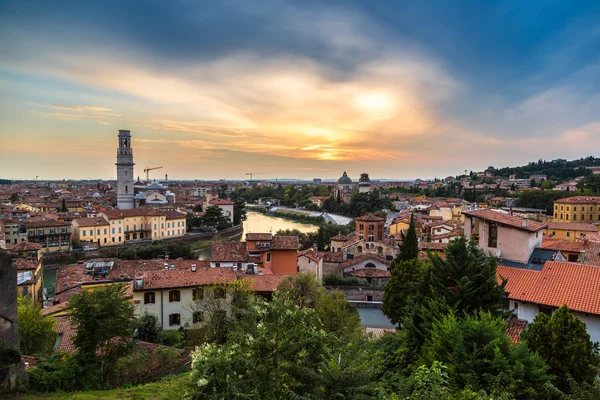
(344, 180)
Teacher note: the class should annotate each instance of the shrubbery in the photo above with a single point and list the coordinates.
(58, 373)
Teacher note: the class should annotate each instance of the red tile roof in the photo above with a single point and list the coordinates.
(87, 222)
(24, 265)
(432, 246)
(579, 200)
(66, 332)
(370, 218)
(178, 279)
(447, 235)
(330, 257)
(285, 243)
(71, 276)
(505, 219)
(43, 223)
(558, 283)
(229, 252)
(339, 238)
(265, 283)
(259, 236)
(566, 226)
(25, 246)
(515, 328)
(550, 243)
(221, 202)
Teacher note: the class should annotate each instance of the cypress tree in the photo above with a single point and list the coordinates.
(409, 249)
(63, 207)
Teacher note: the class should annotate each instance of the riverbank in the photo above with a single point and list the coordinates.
(292, 215)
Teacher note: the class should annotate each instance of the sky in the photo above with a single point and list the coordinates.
(296, 89)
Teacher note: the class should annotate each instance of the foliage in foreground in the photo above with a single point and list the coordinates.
(36, 333)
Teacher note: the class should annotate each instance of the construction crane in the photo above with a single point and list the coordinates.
(254, 173)
(147, 171)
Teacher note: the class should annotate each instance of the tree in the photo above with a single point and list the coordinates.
(401, 286)
(336, 313)
(101, 316)
(239, 211)
(149, 328)
(63, 207)
(466, 280)
(533, 183)
(409, 249)
(14, 197)
(36, 333)
(320, 240)
(479, 354)
(563, 342)
(214, 217)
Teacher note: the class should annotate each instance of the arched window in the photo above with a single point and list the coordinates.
(370, 265)
(359, 249)
(380, 250)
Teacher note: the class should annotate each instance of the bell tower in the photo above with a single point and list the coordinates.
(125, 172)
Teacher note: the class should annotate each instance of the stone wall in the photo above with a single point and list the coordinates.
(360, 293)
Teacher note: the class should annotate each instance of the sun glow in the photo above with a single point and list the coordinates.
(375, 102)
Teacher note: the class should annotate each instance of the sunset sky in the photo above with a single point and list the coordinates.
(296, 89)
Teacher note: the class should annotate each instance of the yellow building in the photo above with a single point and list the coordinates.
(29, 270)
(398, 226)
(94, 230)
(51, 234)
(144, 223)
(585, 209)
(569, 231)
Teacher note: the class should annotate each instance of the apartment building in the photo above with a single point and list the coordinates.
(577, 209)
(52, 235)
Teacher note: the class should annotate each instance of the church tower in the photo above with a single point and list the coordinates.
(125, 172)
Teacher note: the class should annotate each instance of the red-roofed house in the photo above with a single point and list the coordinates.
(531, 292)
(506, 236)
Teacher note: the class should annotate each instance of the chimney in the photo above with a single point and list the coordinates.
(235, 269)
(193, 267)
(525, 223)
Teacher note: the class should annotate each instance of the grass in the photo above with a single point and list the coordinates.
(169, 387)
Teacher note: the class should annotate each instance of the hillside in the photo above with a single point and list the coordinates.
(558, 169)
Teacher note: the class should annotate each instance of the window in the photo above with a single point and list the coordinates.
(83, 233)
(369, 298)
(268, 257)
(219, 293)
(545, 310)
(359, 249)
(574, 217)
(113, 231)
(568, 234)
(198, 294)
(197, 317)
(574, 208)
(370, 265)
(174, 295)
(105, 231)
(174, 319)
(149, 298)
(97, 231)
(493, 236)
(52, 231)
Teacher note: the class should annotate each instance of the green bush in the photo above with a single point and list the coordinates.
(170, 337)
(58, 373)
(336, 280)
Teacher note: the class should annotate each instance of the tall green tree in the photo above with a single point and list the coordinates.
(563, 342)
(101, 316)
(148, 328)
(409, 248)
(320, 239)
(403, 285)
(63, 207)
(239, 211)
(479, 354)
(466, 280)
(213, 217)
(36, 333)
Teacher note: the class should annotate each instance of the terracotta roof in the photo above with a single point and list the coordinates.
(127, 269)
(558, 283)
(432, 246)
(221, 202)
(25, 246)
(42, 223)
(330, 257)
(506, 219)
(66, 332)
(311, 255)
(177, 279)
(339, 238)
(55, 308)
(173, 215)
(591, 254)
(87, 222)
(259, 236)
(364, 257)
(370, 218)
(24, 265)
(284, 243)
(550, 243)
(229, 252)
(369, 273)
(566, 226)
(579, 200)
(515, 328)
(70, 277)
(265, 283)
(136, 212)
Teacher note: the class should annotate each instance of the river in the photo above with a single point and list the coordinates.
(261, 223)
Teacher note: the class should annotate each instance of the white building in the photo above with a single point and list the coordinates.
(505, 236)
(225, 205)
(531, 292)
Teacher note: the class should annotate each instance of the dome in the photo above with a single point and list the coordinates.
(344, 180)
